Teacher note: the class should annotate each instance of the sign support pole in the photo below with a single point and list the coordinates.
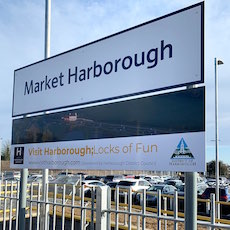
(191, 197)
(190, 200)
(22, 199)
(45, 172)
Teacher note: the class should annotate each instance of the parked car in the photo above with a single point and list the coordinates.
(135, 185)
(151, 194)
(34, 178)
(64, 173)
(223, 181)
(11, 176)
(93, 178)
(83, 175)
(68, 180)
(211, 182)
(112, 185)
(115, 178)
(89, 185)
(223, 191)
(175, 182)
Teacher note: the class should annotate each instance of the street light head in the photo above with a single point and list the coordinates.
(219, 62)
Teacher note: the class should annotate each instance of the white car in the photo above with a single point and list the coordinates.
(135, 184)
(154, 179)
(34, 178)
(89, 185)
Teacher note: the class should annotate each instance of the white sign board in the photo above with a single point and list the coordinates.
(163, 53)
(184, 152)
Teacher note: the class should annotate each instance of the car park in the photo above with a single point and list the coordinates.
(224, 193)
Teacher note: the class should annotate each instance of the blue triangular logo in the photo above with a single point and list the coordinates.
(182, 151)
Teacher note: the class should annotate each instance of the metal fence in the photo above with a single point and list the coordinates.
(67, 207)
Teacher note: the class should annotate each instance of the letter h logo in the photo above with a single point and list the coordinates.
(18, 155)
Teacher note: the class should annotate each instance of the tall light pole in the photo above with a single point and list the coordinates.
(45, 172)
(216, 63)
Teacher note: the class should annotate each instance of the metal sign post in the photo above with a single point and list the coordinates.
(191, 197)
(190, 200)
(45, 172)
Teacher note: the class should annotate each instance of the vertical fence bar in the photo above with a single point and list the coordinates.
(129, 208)
(116, 208)
(47, 206)
(11, 205)
(63, 207)
(82, 207)
(101, 215)
(207, 207)
(165, 209)
(125, 201)
(72, 208)
(175, 210)
(92, 208)
(138, 223)
(17, 206)
(158, 209)
(31, 205)
(143, 208)
(108, 207)
(213, 212)
(54, 206)
(38, 206)
(4, 206)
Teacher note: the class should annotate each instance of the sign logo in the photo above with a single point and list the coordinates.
(182, 151)
(18, 155)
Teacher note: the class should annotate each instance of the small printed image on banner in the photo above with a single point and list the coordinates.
(176, 112)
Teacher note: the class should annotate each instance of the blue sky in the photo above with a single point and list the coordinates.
(77, 22)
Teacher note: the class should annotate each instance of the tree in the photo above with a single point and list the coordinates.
(211, 168)
(6, 151)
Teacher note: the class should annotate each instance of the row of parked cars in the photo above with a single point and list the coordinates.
(150, 183)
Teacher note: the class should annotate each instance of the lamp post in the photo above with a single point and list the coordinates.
(216, 63)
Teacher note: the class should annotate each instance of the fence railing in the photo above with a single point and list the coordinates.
(105, 208)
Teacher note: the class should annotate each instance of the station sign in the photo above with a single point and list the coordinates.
(163, 53)
(163, 132)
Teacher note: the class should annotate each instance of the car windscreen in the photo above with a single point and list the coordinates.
(155, 188)
(126, 183)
